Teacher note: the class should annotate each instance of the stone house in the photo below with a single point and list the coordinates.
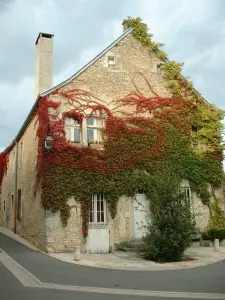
(108, 76)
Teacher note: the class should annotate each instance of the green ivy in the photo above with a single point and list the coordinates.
(172, 161)
(206, 166)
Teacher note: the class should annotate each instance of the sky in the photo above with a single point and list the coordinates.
(193, 32)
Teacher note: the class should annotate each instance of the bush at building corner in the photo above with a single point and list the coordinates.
(171, 230)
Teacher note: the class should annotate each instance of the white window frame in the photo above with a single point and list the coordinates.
(96, 128)
(111, 61)
(94, 211)
(188, 193)
(72, 125)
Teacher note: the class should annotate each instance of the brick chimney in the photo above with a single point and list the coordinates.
(44, 63)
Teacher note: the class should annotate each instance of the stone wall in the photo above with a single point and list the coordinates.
(32, 224)
(61, 238)
(64, 239)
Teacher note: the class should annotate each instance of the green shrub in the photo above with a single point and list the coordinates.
(121, 246)
(214, 233)
(171, 230)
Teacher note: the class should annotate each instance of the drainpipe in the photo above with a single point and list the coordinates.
(15, 187)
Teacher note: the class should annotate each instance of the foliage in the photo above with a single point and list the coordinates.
(214, 233)
(171, 230)
(121, 246)
(4, 157)
(217, 216)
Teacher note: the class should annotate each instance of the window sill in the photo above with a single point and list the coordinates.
(97, 226)
(97, 146)
(75, 144)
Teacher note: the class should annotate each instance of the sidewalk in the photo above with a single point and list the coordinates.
(130, 261)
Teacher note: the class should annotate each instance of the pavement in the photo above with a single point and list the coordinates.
(39, 276)
(131, 261)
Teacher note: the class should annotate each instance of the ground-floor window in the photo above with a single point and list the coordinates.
(98, 209)
(19, 205)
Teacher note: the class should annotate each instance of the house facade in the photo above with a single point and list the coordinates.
(109, 76)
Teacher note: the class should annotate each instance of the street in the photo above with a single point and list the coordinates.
(44, 277)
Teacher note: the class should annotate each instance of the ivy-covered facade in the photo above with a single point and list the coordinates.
(124, 127)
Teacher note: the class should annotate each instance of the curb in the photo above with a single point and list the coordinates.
(153, 269)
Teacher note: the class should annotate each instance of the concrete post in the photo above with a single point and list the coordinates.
(216, 245)
(77, 253)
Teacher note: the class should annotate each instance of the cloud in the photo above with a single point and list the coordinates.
(193, 31)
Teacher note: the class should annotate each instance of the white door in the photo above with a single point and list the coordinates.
(98, 231)
(98, 240)
(141, 215)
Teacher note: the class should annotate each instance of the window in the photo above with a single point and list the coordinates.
(4, 205)
(111, 61)
(98, 209)
(159, 68)
(21, 154)
(186, 191)
(195, 141)
(95, 130)
(73, 131)
(19, 205)
(14, 162)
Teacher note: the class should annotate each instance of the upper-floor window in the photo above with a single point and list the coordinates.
(195, 140)
(95, 127)
(73, 131)
(111, 61)
(97, 209)
(14, 162)
(159, 68)
(21, 154)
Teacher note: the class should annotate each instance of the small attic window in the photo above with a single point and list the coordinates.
(111, 61)
(159, 68)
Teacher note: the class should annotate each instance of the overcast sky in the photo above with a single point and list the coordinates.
(193, 32)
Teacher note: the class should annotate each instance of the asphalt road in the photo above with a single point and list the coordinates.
(207, 279)
(11, 289)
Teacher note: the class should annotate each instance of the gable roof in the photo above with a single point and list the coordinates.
(125, 33)
(47, 92)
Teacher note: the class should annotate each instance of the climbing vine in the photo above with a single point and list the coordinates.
(140, 150)
(146, 147)
(3, 164)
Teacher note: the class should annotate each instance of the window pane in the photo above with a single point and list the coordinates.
(90, 121)
(98, 205)
(102, 217)
(76, 134)
(92, 210)
(98, 217)
(102, 205)
(90, 134)
(75, 123)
